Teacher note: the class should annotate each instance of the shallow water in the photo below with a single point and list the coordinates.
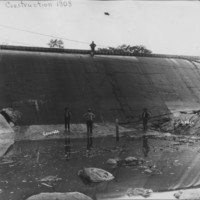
(177, 166)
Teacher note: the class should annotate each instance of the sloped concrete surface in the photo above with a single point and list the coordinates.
(41, 84)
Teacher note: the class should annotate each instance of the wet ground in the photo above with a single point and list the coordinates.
(173, 164)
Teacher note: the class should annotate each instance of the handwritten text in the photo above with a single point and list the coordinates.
(38, 4)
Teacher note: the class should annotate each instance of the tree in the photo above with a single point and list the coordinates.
(139, 49)
(56, 43)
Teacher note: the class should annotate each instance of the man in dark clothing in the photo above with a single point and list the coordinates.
(92, 45)
(145, 118)
(89, 116)
(67, 119)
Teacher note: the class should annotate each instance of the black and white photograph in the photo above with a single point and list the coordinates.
(99, 99)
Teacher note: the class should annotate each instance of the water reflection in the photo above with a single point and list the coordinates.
(67, 145)
(145, 146)
(180, 169)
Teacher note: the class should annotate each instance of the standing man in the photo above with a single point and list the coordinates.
(145, 118)
(92, 45)
(67, 119)
(89, 116)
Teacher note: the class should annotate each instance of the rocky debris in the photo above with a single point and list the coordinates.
(47, 185)
(143, 167)
(95, 175)
(131, 161)
(94, 152)
(178, 194)
(176, 163)
(194, 138)
(181, 122)
(157, 123)
(148, 166)
(60, 196)
(6, 161)
(193, 194)
(112, 161)
(139, 192)
(186, 122)
(50, 179)
(156, 171)
(167, 134)
(196, 112)
(152, 169)
(186, 140)
(148, 171)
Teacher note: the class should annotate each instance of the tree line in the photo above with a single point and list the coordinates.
(138, 49)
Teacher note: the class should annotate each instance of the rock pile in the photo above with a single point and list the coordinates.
(193, 194)
(139, 192)
(59, 196)
(95, 175)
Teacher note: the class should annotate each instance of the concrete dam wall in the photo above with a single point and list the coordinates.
(41, 84)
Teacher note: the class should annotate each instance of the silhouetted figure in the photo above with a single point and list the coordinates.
(145, 118)
(89, 116)
(67, 146)
(67, 119)
(92, 45)
(146, 147)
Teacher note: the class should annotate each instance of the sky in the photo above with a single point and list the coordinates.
(165, 27)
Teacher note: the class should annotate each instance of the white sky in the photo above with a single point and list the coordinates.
(162, 26)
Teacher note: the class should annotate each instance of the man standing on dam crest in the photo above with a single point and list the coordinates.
(145, 118)
(89, 116)
(92, 45)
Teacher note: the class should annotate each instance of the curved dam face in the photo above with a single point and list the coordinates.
(41, 84)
